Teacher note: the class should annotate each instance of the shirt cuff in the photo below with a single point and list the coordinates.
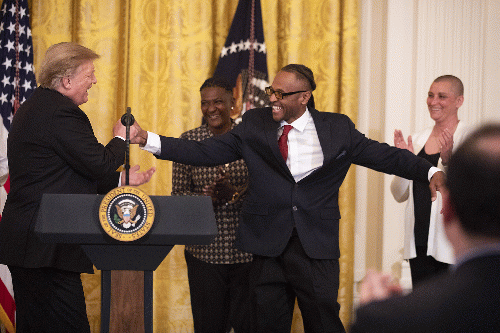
(153, 145)
(432, 171)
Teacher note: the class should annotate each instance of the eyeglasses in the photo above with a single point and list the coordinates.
(279, 95)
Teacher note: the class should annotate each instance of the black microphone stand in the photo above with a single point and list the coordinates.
(127, 120)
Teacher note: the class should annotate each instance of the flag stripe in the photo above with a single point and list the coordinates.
(7, 306)
(17, 82)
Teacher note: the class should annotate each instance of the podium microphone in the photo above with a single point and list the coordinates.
(127, 120)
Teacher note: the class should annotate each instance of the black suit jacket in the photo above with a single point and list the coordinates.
(275, 203)
(465, 300)
(51, 149)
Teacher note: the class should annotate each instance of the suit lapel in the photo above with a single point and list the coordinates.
(271, 133)
(323, 129)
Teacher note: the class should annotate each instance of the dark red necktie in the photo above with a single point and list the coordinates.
(283, 141)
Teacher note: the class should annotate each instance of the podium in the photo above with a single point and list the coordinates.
(73, 219)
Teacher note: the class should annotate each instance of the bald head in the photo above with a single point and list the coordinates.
(456, 84)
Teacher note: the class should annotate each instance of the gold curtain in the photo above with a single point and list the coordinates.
(157, 53)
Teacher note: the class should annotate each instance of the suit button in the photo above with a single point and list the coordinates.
(294, 208)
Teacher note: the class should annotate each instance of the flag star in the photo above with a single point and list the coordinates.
(28, 50)
(28, 68)
(262, 48)
(241, 45)
(10, 45)
(7, 63)
(6, 80)
(13, 10)
(223, 53)
(255, 45)
(1, 26)
(233, 48)
(3, 98)
(26, 85)
(15, 83)
(21, 47)
(28, 34)
(12, 27)
(13, 99)
(23, 12)
(247, 44)
(4, 9)
(21, 30)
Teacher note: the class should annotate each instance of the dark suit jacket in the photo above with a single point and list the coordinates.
(465, 300)
(274, 201)
(51, 149)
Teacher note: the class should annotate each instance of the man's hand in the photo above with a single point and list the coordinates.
(120, 130)
(437, 184)
(137, 178)
(142, 136)
(399, 141)
(377, 286)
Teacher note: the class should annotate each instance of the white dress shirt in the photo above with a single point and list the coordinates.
(304, 150)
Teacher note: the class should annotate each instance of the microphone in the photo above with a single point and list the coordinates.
(128, 118)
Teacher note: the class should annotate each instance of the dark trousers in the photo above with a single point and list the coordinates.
(278, 281)
(219, 296)
(49, 300)
(423, 267)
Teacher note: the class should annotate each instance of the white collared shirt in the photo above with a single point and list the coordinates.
(304, 150)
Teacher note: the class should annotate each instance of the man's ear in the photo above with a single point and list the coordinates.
(66, 82)
(305, 97)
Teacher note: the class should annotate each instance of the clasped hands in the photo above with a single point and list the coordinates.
(445, 141)
(221, 189)
(437, 181)
(136, 178)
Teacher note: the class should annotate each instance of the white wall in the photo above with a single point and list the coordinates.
(405, 45)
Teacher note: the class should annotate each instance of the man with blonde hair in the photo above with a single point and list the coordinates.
(52, 149)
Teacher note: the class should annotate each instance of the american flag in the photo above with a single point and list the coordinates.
(243, 59)
(17, 79)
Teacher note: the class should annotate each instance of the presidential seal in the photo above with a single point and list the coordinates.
(126, 213)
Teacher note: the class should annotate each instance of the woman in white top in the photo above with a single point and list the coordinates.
(425, 244)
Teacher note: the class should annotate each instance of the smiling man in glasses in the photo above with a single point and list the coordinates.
(297, 158)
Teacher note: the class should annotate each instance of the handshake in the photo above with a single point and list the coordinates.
(137, 136)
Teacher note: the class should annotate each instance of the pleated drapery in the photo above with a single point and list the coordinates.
(155, 54)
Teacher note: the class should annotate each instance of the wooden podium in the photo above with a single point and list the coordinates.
(73, 219)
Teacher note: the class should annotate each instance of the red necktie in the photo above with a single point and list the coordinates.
(282, 141)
